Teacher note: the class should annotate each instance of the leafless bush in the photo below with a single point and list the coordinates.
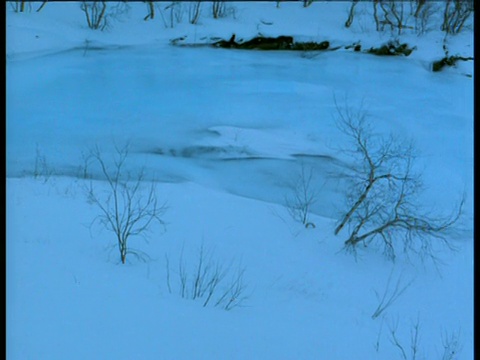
(390, 295)
(417, 6)
(209, 281)
(303, 196)
(220, 9)
(194, 11)
(412, 350)
(20, 6)
(160, 11)
(375, 14)
(351, 13)
(451, 345)
(151, 10)
(97, 15)
(417, 15)
(25, 6)
(393, 15)
(127, 208)
(42, 169)
(382, 195)
(455, 14)
(233, 295)
(414, 340)
(176, 12)
(83, 170)
(423, 15)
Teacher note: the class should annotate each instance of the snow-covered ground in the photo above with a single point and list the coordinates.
(224, 133)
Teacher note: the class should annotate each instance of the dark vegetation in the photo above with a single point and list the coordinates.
(258, 43)
(448, 61)
(392, 48)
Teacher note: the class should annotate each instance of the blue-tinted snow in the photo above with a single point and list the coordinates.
(224, 133)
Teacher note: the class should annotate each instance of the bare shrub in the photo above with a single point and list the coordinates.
(393, 15)
(20, 6)
(151, 10)
(194, 11)
(383, 191)
(451, 345)
(209, 281)
(414, 352)
(176, 12)
(42, 169)
(95, 14)
(351, 13)
(390, 295)
(25, 6)
(233, 295)
(99, 14)
(83, 170)
(127, 207)
(417, 6)
(220, 9)
(419, 16)
(302, 197)
(423, 15)
(455, 14)
(412, 349)
(160, 11)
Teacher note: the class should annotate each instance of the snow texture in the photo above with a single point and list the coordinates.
(224, 133)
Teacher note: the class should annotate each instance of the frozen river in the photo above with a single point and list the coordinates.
(241, 121)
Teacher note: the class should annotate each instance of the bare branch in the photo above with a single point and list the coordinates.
(151, 10)
(454, 17)
(394, 339)
(390, 295)
(415, 339)
(451, 345)
(382, 193)
(351, 14)
(303, 196)
(208, 281)
(124, 209)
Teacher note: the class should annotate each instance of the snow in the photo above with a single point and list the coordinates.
(223, 133)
